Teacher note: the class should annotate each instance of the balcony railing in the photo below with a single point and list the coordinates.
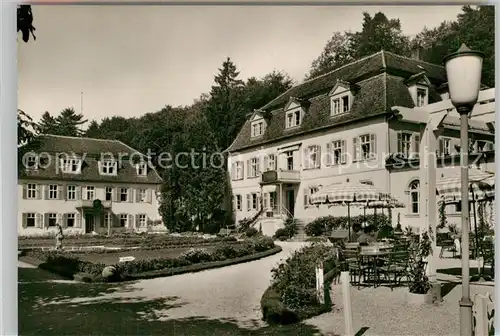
(90, 204)
(280, 176)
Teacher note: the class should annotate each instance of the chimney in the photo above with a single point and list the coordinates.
(416, 53)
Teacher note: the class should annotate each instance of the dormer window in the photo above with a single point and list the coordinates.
(418, 85)
(108, 167)
(293, 119)
(31, 161)
(258, 128)
(142, 169)
(71, 165)
(341, 98)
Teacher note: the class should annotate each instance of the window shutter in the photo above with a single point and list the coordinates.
(249, 202)
(258, 167)
(306, 196)
(318, 157)
(233, 171)
(343, 155)
(137, 221)
(130, 221)
(130, 195)
(306, 158)
(329, 154)
(60, 191)
(266, 163)
(25, 191)
(149, 195)
(259, 199)
(24, 220)
(78, 192)
(46, 191)
(99, 165)
(400, 142)
(137, 193)
(355, 148)
(114, 194)
(59, 218)
(78, 220)
(64, 223)
(373, 146)
(441, 146)
(249, 163)
(38, 220)
(38, 191)
(46, 220)
(416, 143)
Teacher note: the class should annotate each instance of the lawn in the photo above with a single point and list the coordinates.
(45, 309)
(112, 258)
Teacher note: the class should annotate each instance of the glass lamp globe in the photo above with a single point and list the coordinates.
(463, 69)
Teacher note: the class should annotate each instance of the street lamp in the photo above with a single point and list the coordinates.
(463, 69)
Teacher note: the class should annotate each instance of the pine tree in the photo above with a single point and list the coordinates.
(69, 122)
(48, 124)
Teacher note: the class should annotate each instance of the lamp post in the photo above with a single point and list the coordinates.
(463, 69)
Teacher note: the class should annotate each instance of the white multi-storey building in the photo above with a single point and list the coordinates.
(342, 125)
(86, 185)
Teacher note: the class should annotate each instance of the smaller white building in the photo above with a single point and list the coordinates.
(86, 185)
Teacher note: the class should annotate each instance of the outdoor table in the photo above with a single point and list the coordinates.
(372, 255)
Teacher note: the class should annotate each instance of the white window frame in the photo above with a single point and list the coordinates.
(109, 167)
(142, 220)
(364, 139)
(340, 147)
(289, 155)
(89, 193)
(313, 157)
(239, 202)
(254, 167)
(71, 192)
(68, 217)
(238, 170)
(32, 162)
(52, 216)
(30, 215)
(124, 217)
(254, 198)
(53, 191)
(339, 105)
(258, 128)
(309, 191)
(414, 189)
(31, 191)
(108, 190)
(271, 162)
(124, 193)
(142, 169)
(293, 118)
(71, 166)
(421, 101)
(143, 192)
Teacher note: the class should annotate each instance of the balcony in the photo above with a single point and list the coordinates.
(280, 176)
(85, 204)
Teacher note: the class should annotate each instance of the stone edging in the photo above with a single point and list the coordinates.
(204, 266)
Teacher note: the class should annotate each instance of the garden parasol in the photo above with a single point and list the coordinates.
(348, 193)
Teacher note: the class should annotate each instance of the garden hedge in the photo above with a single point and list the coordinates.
(298, 291)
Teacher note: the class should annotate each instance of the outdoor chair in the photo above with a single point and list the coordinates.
(488, 254)
(396, 268)
(352, 263)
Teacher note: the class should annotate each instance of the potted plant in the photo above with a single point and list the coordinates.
(418, 282)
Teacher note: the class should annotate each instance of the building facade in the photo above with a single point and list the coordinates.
(345, 125)
(87, 186)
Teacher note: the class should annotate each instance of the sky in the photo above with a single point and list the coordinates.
(131, 60)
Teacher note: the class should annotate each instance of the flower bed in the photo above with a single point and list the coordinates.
(292, 294)
(70, 266)
(152, 241)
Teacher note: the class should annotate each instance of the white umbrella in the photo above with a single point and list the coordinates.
(481, 186)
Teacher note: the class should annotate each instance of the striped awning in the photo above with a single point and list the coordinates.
(481, 186)
(348, 193)
(390, 203)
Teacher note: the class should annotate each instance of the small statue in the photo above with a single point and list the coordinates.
(59, 237)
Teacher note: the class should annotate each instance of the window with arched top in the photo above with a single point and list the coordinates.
(414, 189)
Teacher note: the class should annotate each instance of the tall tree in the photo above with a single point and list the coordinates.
(93, 130)
(258, 92)
(475, 26)
(379, 33)
(26, 128)
(48, 124)
(69, 122)
(337, 52)
(224, 111)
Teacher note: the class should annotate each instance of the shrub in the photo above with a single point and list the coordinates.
(196, 255)
(323, 225)
(288, 231)
(251, 232)
(385, 231)
(418, 282)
